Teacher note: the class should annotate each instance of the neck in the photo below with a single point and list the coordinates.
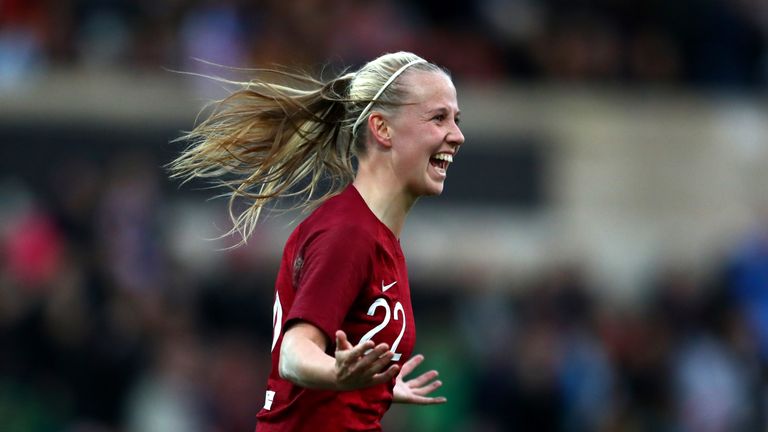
(390, 204)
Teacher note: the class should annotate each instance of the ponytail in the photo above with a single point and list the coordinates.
(264, 141)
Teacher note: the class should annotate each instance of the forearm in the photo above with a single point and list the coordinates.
(305, 364)
(303, 361)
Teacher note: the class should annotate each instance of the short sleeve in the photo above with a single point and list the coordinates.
(335, 264)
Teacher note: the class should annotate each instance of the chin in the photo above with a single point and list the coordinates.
(430, 187)
(434, 190)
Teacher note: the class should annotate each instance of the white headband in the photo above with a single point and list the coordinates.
(381, 90)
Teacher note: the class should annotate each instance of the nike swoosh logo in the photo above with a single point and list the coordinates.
(384, 288)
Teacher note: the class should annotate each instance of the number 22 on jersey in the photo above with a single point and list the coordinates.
(387, 314)
(277, 319)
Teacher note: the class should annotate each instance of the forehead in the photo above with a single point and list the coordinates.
(429, 90)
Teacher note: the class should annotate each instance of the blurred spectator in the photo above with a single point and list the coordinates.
(22, 31)
(171, 395)
(212, 31)
(128, 230)
(33, 251)
(104, 33)
(716, 372)
(711, 388)
(748, 277)
(364, 29)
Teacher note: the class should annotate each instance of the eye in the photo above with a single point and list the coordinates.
(439, 117)
(457, 120)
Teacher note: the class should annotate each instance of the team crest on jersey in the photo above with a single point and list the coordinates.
(298, 263)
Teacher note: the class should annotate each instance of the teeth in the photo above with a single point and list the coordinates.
(444, 157)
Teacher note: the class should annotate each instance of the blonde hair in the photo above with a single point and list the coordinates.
(274, 140)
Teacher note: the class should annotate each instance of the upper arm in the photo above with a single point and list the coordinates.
(336, 264)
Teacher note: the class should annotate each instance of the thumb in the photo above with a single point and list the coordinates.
(341, 341)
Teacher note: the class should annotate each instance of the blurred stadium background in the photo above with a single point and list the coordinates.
(599, 261)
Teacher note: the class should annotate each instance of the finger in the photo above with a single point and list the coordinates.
(341, 341)
(422, 379)
(421, 400)
(374, 363)
(423, 391)
(352, 353)
(411, 364)
(355, 359)
(362, 349)
(386, 375)
(379, 356)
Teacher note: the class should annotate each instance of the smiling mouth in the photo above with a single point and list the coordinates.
(441, 161)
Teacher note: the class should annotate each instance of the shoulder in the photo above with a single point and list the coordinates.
(345, 215)
(331, 239)
(338, 234)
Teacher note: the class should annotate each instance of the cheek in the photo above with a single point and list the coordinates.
(412, 162)
(417, 146)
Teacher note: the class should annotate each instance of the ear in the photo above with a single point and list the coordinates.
(380, 129)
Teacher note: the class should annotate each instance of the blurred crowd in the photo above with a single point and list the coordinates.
(721, 43)
(109, 324)
(102, 328)
(105, 326)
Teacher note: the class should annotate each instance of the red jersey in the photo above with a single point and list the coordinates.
(342, 268)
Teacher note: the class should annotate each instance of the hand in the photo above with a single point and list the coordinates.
(415, 391)
(355, 369)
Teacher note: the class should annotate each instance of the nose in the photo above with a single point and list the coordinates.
(455, 137)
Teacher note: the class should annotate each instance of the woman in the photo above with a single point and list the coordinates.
(343, 324)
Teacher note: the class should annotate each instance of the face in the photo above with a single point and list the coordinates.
(425, 132)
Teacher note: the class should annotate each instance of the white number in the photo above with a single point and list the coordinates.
(387, 315)
(396, 357)
(277, 320)
(380, 327)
